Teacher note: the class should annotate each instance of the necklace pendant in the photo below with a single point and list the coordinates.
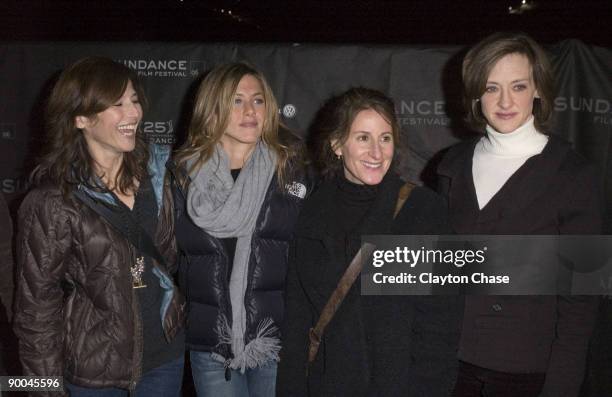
(137, 270)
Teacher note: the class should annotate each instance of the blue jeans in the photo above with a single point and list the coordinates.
(163, 381)
(209, 378)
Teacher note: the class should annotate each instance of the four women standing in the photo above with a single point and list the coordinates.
(96, 303)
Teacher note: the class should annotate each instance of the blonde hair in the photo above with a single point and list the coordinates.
(211, 115)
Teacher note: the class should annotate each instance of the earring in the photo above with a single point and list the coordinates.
(339, 157)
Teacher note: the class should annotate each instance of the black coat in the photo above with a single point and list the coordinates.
(205, 271)
(554, 192)
(375, 345)
(6, 261)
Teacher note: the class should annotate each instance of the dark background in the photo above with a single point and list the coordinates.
(329, 21)
(411, 23)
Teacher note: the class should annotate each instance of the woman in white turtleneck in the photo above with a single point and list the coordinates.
(511, 138)
(499, 154)
(516, 180)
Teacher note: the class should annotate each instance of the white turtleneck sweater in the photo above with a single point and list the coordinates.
(497, 156)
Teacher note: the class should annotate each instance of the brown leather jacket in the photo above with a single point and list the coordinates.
(90, 332)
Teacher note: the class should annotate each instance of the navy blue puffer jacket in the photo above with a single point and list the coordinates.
(205, 271)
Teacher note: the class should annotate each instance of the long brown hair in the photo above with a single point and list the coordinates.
(86, 88)
(211, 116)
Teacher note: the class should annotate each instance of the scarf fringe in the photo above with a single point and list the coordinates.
(257, 352)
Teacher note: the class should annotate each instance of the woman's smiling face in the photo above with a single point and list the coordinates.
(368, 150)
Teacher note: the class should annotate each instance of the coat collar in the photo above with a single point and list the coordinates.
(156, 167)
(527, 183)
(315, 217)
(316, 223)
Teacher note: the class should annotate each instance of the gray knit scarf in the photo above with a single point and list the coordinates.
(224, 208)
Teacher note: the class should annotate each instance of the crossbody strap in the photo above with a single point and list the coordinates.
(402, 196)
(142, 241)
(346, 282)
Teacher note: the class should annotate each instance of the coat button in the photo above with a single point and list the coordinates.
(496, 307)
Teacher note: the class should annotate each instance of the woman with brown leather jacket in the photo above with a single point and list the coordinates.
(95, 301)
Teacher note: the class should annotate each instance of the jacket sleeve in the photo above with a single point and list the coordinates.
(43, 242)
(452, 161)
(291, 377)
(576, 315)
(158, 167)
(166, 239)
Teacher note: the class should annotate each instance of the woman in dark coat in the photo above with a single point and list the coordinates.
(375, 345)
(238, 192)
(517, 180)
(95, 304)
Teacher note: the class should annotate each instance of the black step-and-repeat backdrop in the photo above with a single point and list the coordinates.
(423, 81)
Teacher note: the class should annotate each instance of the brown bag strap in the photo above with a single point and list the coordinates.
(402, 196)
(346, 281)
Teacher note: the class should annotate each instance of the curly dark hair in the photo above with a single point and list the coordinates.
(333, 123)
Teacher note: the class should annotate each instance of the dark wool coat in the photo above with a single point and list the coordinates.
(554, 192)
(375, 345)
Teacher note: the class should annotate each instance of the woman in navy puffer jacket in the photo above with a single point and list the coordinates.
(237, 198)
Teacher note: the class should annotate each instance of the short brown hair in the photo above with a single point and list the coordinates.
(86, 88)
(334, 120)
(480, 60)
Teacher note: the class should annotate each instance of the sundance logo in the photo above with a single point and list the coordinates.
(422, 108)
(160, 132)
(601, 109)
(14, 185)
(422, 112)
(581, 104)
(158, 67)
(197, 67)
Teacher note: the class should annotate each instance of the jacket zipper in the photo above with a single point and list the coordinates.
(228, 298)
(137, 338)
